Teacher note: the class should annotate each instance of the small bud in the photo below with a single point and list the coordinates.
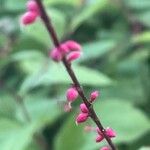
(99, 138)
(93, 96)
(32, 6)
(88, 128)
(67, 107)
(28, 18)
(64, 48)
(105, 148)
(56, 55)
(83, 108)
(110, 132)
(99, 131)
(71, 94)
(73, 46)
(82, 117)
(73, 56)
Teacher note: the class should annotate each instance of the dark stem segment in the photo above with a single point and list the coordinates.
(52, 33)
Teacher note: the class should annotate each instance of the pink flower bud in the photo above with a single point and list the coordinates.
(83, 108)
(99, 138)
(67, 107)
(71, 94)
(73, 46)
(88, 128)
(93, 96)
(105, 148)
(82, 117)
(28, 18)
(32, 6)
(64, 48)
(99, 131)
(110, 132)
(56, 55)
(73, 56)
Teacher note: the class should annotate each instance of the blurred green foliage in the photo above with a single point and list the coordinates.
(115, 35)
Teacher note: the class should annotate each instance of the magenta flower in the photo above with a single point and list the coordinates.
(68, 52)
(56, 55)
(32, 6)
(83, 108)
(94, 96)
(64, 48)
(71, 94)
(99, 138)
(98, 131)
(110, 132)
(28, 18)
(105, 148)
(82, 117)
(73, 45)
(73, 56)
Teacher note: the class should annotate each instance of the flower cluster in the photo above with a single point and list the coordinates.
(32, 13)
(84, 114)
(109, 132)
(71, 96)
(70, 49)
(100, 137)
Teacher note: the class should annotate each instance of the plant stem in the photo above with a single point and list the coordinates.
(46, 20)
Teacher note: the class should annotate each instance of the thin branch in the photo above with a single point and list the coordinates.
(46, 20)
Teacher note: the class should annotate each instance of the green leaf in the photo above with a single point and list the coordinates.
(140, 10)
(123, 90)
(138, 4)
(33, 146)
(88, 76)
(68, 2)
(140, 55)
(7, 106)
(73, 137)
(145, 148)
(122, 116)
(42, 111)
(143, 17)
(97, 49)
(26, 54)
(3, 40)
(38, 31)
(11, 132)
(143, 37)
(129, 123)
(87, 12)
(55, 73)
(15, 5)
(29, 60)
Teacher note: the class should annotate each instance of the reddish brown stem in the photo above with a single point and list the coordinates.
(52, 33)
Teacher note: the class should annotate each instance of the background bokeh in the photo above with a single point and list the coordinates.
(115, 35)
